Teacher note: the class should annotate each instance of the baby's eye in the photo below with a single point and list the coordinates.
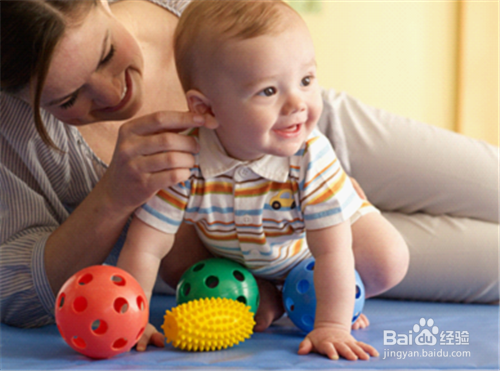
(306, 81)
(268, 91)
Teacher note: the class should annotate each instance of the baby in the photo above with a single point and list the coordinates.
(267, 189)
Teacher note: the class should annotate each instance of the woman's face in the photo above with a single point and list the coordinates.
(96, 72)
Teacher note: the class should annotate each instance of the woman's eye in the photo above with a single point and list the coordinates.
(109, 55)
(69, 103)
(268, 92)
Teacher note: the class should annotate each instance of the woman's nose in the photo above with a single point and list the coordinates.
(106, 91)
(294, 104)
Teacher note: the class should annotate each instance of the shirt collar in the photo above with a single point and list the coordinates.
(214, 161)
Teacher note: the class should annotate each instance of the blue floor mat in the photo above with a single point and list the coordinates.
(408, 335)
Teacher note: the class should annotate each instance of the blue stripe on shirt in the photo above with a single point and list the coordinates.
(161, 216)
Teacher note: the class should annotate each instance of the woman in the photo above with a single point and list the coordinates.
(69, 190)
(105, 141)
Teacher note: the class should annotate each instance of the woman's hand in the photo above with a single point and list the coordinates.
(151, 155)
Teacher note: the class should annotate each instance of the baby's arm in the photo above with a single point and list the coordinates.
(334, 283)
(141, 256)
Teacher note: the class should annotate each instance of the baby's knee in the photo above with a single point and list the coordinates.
(392, 264)
(381, 253)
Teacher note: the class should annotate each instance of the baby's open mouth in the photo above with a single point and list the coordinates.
(292, 129)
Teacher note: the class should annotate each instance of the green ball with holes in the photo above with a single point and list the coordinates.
(218, 278)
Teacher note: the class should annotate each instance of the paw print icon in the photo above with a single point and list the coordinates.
(426, 335)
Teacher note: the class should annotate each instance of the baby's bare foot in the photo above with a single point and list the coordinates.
(270, 306)
(361, 322)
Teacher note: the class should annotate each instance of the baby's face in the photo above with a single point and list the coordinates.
(264, 93)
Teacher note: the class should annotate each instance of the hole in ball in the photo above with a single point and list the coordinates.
(61, 300)
(239, 276)
(120, 305)
(141, 303)
(118, 280)
(355, 317)
(307, 320)
(212, 282)
(85, 279)
(78, 342)
(80, 304)
(198, 267)
(186, 289)
(358, 292)
(99, 327)
(310, 266)
(303, 286)
(119, 343)
(242, 299)
(290, 305)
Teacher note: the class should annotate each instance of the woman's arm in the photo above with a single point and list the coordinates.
(40, 245)
(147, 157)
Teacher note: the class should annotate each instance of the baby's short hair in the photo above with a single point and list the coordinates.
(206, 21)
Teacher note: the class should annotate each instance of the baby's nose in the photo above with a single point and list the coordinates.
(294, 104)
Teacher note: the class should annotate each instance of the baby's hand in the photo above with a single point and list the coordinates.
(150, 336)
(361, 322)
(334, 342)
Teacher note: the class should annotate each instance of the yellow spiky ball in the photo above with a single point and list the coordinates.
(208, 324)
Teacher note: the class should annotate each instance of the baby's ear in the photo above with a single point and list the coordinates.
(198, 102)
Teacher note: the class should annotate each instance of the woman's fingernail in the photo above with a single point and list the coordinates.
(199, 119)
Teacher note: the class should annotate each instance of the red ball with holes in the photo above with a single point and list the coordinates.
(101, 311)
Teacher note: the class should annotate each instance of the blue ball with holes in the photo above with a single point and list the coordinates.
(299, 296)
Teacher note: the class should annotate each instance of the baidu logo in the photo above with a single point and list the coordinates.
(423, 333)
(426, 336)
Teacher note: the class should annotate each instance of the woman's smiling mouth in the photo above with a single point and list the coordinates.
(126, 95)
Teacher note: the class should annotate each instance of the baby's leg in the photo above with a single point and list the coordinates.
(186, 251)
(380, 253)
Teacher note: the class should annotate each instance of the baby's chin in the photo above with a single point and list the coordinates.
(285, 152)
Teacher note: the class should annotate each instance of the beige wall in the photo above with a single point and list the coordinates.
(478, 78)
(434, 61)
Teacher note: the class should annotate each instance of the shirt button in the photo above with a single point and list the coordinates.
(247, 219)
(244, 172)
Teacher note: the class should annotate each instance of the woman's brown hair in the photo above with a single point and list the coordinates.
(30, 31)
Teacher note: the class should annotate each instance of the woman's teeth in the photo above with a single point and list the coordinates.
(124, 92)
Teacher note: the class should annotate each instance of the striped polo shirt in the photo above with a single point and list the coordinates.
(257, 212)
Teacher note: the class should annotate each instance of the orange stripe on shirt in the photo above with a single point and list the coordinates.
(217, 237)
(202, 188)
(320, 173)
(328, 193)
(172, 200)
(262, 189)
